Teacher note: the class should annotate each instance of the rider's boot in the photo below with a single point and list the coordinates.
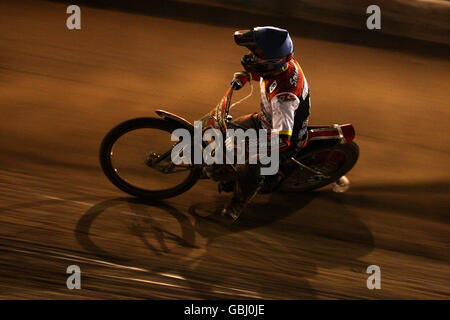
(247, 186)
(233, 209)
(226, 186)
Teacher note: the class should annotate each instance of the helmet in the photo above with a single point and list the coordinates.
(271, 49)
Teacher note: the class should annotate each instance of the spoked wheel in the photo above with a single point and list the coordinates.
(327, 164)
(136, 158)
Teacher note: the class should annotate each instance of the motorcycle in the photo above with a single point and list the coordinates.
(136, 156)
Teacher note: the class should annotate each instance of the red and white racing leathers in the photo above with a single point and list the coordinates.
(285, 103)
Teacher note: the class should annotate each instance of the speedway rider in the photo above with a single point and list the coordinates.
(285, 102)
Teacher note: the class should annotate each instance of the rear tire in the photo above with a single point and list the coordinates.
(114, 177)
(351, 152)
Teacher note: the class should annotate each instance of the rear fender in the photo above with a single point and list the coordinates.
(342, 133)
(327, 137)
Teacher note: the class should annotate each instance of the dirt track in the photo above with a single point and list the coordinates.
(61, 91)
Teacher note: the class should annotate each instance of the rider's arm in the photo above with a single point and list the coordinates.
(242, 77)
(255, 76)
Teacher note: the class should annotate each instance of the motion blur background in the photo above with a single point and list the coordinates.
(61, 91)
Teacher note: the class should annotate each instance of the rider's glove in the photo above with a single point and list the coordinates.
(240, 79)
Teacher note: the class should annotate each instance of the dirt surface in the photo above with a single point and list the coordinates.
(61, 91)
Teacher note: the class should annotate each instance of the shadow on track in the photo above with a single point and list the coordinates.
(429, 199)
(215, 258)
(143, 224)
(211, 226)
(326, 238)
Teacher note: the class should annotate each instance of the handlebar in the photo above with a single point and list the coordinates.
(228, 102)
(221, 112)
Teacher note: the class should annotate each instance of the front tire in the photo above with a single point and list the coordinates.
(113, 174)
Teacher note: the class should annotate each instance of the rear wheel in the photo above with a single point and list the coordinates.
(135, 156)
(330, 163)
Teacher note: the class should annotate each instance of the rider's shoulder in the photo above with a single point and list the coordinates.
(287, 84)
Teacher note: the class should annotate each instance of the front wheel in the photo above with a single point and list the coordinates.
(135, 156)
(330, 163)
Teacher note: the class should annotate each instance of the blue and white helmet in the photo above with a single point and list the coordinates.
(271, 48)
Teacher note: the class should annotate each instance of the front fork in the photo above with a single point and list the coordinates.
(156, 161)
